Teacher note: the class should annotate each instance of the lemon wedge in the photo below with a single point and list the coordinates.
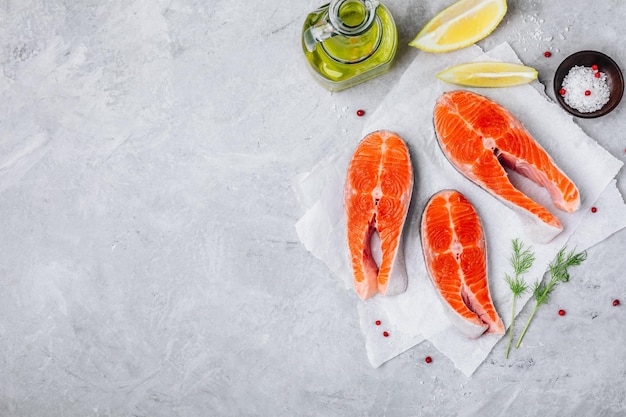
(459, 25)
(488, 74)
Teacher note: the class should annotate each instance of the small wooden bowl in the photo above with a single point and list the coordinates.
(615, 80)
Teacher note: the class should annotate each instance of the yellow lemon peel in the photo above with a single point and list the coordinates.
(459, 25)
(488, 74)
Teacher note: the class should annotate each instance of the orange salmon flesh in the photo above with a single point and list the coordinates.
(480, 137)
(377, 193)
(455, 253)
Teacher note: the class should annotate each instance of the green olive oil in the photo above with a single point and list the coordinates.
(342, 61)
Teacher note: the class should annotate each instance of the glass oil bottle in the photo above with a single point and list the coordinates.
(347, 42)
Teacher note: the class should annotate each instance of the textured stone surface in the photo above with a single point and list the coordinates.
(149, 262)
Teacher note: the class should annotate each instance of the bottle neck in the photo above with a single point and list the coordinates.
(352, 17)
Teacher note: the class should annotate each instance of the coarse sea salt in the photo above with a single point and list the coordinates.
(584, 91)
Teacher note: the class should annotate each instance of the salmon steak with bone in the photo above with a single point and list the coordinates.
(377, 194)
(481, 138)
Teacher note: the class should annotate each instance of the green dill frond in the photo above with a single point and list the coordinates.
(575, 260)
(559, 267)
(560, 257)
(517, 246)
(558, 273)
(538, 288)
(541, 292)
(522, 258)
(562, 276)
(517, 285)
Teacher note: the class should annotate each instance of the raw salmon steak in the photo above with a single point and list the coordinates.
(480, 138)
(455, 254)
(377, 194)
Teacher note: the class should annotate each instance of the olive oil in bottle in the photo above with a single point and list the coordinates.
(347, 42)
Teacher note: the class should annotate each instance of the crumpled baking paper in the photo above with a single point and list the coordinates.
(418, 314)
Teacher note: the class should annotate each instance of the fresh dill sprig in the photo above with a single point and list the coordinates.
(521, 260)
(558, 273)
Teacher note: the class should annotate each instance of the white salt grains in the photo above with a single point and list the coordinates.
(584, 90)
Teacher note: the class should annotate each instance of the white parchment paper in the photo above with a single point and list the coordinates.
(418, 314)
